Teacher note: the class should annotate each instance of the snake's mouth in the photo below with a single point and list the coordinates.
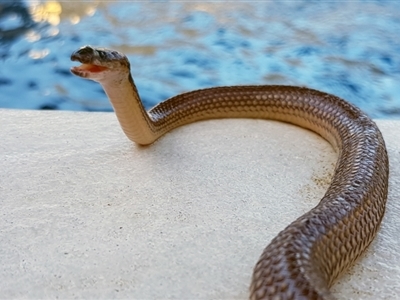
(86, 56)
(88, 68)
(96, 63)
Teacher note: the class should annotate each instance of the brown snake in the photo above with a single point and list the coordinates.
(304, 259)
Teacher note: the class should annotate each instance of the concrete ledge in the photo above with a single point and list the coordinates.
(88, 214)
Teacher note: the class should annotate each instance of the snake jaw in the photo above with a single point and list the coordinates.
(91, 68)
(97, 61)
(85, 70)
(87, 56)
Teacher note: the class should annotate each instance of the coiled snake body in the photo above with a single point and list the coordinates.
(303, 260)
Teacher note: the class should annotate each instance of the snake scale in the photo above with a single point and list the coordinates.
(304, 259)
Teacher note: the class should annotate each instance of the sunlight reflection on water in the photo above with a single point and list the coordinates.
(350, 49)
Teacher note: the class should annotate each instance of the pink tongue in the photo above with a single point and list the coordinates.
(93, 68)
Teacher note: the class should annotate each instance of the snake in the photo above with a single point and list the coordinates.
(304, 259)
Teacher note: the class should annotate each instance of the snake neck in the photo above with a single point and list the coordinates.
(131, 114)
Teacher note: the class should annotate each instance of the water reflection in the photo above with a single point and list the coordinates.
(349, 48)
(15, 20)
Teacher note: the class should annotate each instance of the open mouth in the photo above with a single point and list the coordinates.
(89, 68)
(86, 66)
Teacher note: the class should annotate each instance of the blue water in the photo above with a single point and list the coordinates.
(348, 48)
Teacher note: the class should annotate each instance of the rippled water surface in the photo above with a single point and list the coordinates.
(348, 48)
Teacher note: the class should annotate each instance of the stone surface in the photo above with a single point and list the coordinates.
(88, 214)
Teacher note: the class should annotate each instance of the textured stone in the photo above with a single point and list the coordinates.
(88, 214)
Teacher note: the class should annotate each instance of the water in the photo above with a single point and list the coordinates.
(348, 48)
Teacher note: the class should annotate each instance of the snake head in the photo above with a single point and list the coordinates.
(100, 64)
